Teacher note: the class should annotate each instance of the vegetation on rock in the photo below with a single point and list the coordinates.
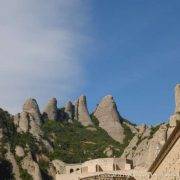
(74, 143)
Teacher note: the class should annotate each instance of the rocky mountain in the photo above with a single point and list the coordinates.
(34, 145)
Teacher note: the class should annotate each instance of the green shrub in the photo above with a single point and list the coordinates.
(24, 139)
(6, 123)
(44, 165)
(128, 135)
(24, 174)
(74, 143)
(94, 120)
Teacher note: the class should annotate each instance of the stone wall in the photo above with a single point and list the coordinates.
(74, 168)
(105, 164)
(94, 167)
(170, 166)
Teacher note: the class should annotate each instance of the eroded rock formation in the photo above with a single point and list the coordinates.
(31, 167)
(50, 111)
(109, 118)
(69, 110)
(31, 107)
(145, 146)
(59, 166)
(142, 149)
(24, 122)
(11, 158)
(81, 112)
(30, 119)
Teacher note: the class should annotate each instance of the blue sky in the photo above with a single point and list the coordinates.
(136, 57)
(127, 48)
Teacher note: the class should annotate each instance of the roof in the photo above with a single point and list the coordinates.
(175, 135)
(102, 175)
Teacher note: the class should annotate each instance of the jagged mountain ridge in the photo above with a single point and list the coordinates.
(34, 142)
(69, 133)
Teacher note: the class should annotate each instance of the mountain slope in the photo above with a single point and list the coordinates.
(32, 143)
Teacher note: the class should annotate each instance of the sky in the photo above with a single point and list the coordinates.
(62, 49)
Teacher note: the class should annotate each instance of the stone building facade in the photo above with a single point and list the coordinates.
(104, 168)
(167, 164)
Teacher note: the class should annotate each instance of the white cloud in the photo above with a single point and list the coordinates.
(40, 43)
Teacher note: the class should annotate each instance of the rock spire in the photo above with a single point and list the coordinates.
(31, 107)
(50, 111)
(81, 111)
(109, 118)
(69, 110)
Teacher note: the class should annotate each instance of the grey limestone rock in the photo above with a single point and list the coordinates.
(69, 110)
(50, 111)
(31, 107)
(82, 113)
(109, 118)
(19, 151)
(31, 167)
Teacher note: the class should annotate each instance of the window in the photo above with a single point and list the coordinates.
(116, 167)
(98, 168)
(71, 170)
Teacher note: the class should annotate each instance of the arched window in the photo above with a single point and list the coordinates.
(77, 169)
(71, 170)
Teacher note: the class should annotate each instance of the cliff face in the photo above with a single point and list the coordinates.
(35, 143)
(147, 143)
